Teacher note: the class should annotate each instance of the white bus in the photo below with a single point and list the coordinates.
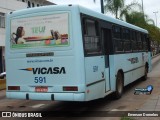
(70, 53)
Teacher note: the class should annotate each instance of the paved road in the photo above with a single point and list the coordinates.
(129, 101)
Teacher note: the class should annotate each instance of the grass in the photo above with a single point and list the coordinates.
(127, 118)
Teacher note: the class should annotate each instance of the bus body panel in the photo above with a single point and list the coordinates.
(132, 65)
(95, 78)
(94, 69)
(112, 72)
(68, 67)
(47, 96)
(149, 62)
(54, 72)
(95, 91)
(119, 61)
(107, 79)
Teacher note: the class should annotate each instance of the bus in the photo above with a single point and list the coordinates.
(71, 53)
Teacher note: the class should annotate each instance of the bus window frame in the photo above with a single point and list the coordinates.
(127, 39)
(132, 34)
(83, 22)
(117, 39)
(107, 44)
(134, 40)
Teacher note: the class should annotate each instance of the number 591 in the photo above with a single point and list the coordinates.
(40, 79)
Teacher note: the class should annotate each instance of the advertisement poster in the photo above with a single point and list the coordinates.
(40, 31)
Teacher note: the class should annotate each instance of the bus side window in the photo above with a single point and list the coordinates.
(83, 27)
(134, 41)
(148, 43)
(139, 41)
(92, 43)
(117, 38)
(145, 46)
(126, 38)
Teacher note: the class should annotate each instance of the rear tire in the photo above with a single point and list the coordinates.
(119, 86)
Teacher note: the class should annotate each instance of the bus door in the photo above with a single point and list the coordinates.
(106, 38)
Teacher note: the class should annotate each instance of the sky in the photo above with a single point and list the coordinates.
(150, 6)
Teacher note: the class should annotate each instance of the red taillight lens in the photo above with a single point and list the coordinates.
(70, 88)
(13, 87)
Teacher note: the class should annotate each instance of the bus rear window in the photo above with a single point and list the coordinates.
(40, 31)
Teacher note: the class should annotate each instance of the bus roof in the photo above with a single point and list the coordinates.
(81, 10)
(110, 19)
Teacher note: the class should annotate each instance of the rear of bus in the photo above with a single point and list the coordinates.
(42, 62)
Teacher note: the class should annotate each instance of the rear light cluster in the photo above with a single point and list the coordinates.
(65, 88)
(70, 88)
(13, 87)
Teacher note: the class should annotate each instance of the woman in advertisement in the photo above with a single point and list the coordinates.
(19, 36)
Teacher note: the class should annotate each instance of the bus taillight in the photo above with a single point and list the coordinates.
(13, 87)
(70, 88)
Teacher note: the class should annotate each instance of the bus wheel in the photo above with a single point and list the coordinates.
(145, 73)
(119, 86)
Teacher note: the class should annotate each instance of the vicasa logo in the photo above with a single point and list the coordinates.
(44, 70)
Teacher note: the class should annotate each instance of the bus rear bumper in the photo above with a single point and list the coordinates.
(47, 96)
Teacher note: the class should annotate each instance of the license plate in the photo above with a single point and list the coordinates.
(41, 89)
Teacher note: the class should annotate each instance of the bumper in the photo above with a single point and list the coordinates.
(47, 96)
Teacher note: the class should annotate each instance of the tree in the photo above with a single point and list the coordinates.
(129, 13)
(118, 7)
(138, 19)
(143, 21)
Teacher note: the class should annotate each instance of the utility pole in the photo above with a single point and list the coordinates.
(157, 50)
(156, 16)
(102, 7)
(142, 7)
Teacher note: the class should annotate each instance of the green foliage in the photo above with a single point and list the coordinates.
(118, 7)
(142, 20)
(114, 6)
(133, 15)
(154, 32)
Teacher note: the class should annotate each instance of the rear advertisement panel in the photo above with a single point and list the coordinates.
(40, 31)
